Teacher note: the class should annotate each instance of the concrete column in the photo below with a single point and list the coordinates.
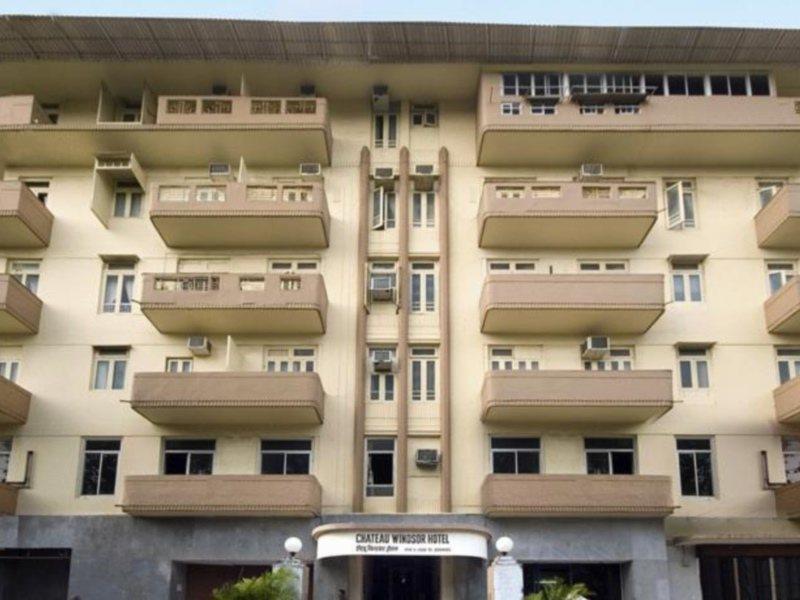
(646, 579)
(301, 574)
(505, 579)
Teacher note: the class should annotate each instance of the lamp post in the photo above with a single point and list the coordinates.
(505, 573)
(293, 546)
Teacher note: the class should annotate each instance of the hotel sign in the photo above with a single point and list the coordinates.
(402, 543)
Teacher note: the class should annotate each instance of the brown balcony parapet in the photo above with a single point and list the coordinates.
(787, 500)
(581, 304)
(229, 398)
(222, 496)
(15, 402)
(787, 401)
(588, 496)
(25, 222)
(782, 309)
(20, 309)
(778, 223)
(8, 499)
(575, 396)
(285, 214)
(541, 214)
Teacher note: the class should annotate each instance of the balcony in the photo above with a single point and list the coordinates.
(577, 304)
(284, 215)
(229, 398)
(180, 131)
(787, 500)
(222, 496)
(233, 303)
(778, 223)
(787, 402)
(25, 222)
(8, 499)
(667, 131)
(782, 309)
(15, 402)
(575, 396)
(533, 214)
(20, 309)
(582, 496)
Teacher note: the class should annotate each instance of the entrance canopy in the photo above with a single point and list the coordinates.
(352, 539)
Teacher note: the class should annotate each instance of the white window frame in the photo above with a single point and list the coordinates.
(423, 373)
(293, 266)
(514, 358)
(516, 451)
(620, 358)
(179, 364)
(510, 267)
(424, 279)
(609, 452)
(385, 127)
(603, 266)
(122, 274)
(9, 369)
(382, 387)
(103, 454)
(423, 210)
(698, 361)
(694, 452)
(687, 273)
(384, 208)
(424, 115)
(682, 215)
(6, 448)
(780, 271)
(510, 109)
(27, 272)
(128, 201)
(787, 360)
(286, 452)
(290, 359)
(111, 357)
(189, 453)
(372, 487)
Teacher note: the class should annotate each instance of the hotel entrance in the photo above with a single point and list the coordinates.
(401, 578)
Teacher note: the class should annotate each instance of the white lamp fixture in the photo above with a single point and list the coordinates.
(504, 545)
(292, 545)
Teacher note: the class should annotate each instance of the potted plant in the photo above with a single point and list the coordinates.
(275, 585)
(557, 589)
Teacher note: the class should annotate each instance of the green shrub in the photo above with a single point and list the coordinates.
(277, 585)
(558, 590)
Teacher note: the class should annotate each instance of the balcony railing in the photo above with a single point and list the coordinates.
(778, 223)
(571, 304)
(782, 309)
(15, 402)
(22, 110)
(538, 214)
(229, 303)
(582, 496)
(229, 398)
(222, 496)
(25, 222)
(235, 215)
(20, 309)
(575, 396)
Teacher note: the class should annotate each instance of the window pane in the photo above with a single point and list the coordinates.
(389, 383)
(527, 462)
(119, 205)
(704, 478)
(688, 209)
(430, 380)
(298, 464)
(108, 474)
(200, 464)
(686, 464)
(286, 445)
(272, 463)
(622, 463)
(677, 286)
(597, 463)
(429, 292)
(694, 444)
(417, 211)
(702, 374)
(503, 462)
(136, 204)
(381, 466)
(91, 473)
(759, 85)
(110, 297)
(686, 373)
(528, 443)
(694, 288)
(175, 463)
(101, 375)
(415, 291)
(119, 375)
(127, 293)
(416, 380)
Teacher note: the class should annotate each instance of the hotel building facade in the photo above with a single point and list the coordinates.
(398, 290)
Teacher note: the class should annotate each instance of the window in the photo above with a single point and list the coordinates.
(609, 456)
(778, 275)
(694, 463)
(791, 458)
(542, 108)
(26, 272)
(423, 287)
(767, 190)
(383, 208)
(128, 201)
(210, 193)
(52, 111)
(531, 84)
(381, 379)
(290, 360)
(515, 455)
(511, 266)
(179, 365)
(788, 364)
(615, 265)
(383, 281)
(100, 460)
(424, 115)
(109, 368)
(509, 108)
(118, 287)
(680, 204)
(687, 283)
(380, 466)
(619, 359)
(693, 367)
(749, 572)
(40, 188)
(294, 266)
(423, 374)
(9, 368)
(5, 457)
(591, 109)
(514, 358)
(189, 457)
(285, 457)
(386, 130)
(423, 210)
(626, 109)
(686, 85)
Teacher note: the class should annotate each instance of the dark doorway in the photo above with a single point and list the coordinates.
(603, 580)
(34, 573)
(202, 580)
(401, 578)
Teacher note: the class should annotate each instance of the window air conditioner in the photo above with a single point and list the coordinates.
(219, 170)
(424, 170)
(427, 458)
(380, 98)
(199, 345)
(382, 361)
(589, 170)
(595, 347)
(384, 173)
(381, 286)
(310, 169)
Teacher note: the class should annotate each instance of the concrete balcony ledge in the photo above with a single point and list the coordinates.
(285, 215)
(15, 402)
(25, 222)
(787, 500)
(229, 398)
(222, 496)
(582, 496)
(20, 309)
(778, 223)
(540, 214)
(787, 401)
(8, 499)
(575, 396)
(782, 309)
(231, 303)
(571, 304)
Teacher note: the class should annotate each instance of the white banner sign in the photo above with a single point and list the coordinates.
(401, 543)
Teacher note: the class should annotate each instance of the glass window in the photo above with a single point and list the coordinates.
(424, 365)
(118, 287)
(609, 456)
(695, 466)
(109, 368)
(778, 275)
(511, 266)
(385, 130)
(26, 272)
(514, 358)
(423, 287)
(788, 364)
(285, 457)
(5, 456)
(687, 283)
(179, 365)
(381, 377)
(287, 266)
(515, 455)
(767, 190)
(188, 457)
(693, 368)
(618, 266)
(128, 201)
(791, 457)
(100, 460)
(423, 210)
(9, 368)
(618, 359)
(290, 360)
(380, 467)
(680, 204)
(383, 208)
(510, 108)
(424, 115)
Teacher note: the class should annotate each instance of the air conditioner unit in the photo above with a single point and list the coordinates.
(199, 345)
(424, 170)
(384, 173)
(308, 89)
(380, 98)
(595, 347)
(382, 361)
(589, 170)
(310, 169)
(219, 170)
(381, 286)
(427, 458)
